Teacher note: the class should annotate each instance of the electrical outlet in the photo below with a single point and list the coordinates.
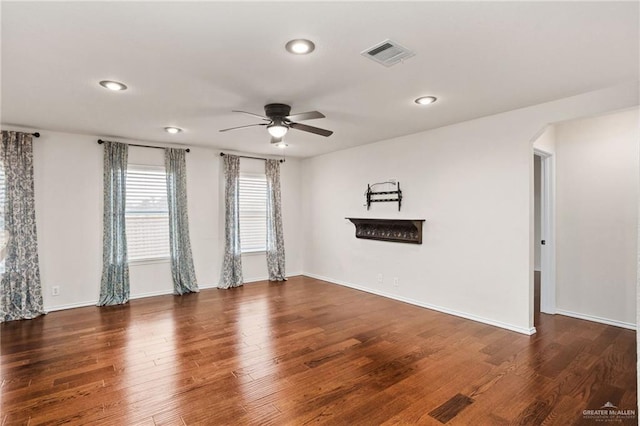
(380, 278)
(55, 290)
(396, 282)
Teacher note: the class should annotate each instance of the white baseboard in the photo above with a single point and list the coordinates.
(151, 294)
(95, 302)
(70, 306)
(294, 274)
(511, 327)
(266, 277)
(594, 318)
(209, 286)
(255, 279)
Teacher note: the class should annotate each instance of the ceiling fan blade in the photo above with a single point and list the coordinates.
(250, 113)
(305, 116)
(242, 127)
(311, 129)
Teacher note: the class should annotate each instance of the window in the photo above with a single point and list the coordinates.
(253, 212)
(147, 213)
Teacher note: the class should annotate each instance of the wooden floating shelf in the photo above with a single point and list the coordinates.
(397, 230)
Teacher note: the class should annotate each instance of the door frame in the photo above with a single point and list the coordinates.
(547, 232)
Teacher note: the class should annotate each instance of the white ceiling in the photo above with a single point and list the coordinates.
(190, 64)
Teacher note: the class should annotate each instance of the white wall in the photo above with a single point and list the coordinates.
(68, 178)
(597, 216)
(68, 187)
(472, 182)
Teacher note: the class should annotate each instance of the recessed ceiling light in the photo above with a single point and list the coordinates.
(300, 46)
(113, 85)
(426, 100)
(172, 130)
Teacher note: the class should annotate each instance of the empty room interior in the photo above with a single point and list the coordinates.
(319, 212)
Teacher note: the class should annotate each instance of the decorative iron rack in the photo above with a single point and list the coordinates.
(398, 196)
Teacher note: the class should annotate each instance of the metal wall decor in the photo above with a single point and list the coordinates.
(398, 230)
(396, 196)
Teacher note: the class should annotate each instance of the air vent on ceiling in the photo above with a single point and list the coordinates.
(388, 53)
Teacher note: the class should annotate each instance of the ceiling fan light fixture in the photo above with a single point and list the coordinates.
(173, 130)
(426, 100)
(277, 130)
(113, 85)
(300, 46)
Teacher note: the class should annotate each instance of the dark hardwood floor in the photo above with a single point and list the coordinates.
(305, 351)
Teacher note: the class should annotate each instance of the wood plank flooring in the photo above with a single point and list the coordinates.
(305, 351)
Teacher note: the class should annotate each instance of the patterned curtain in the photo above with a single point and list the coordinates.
(231, 275)
(114, 288)
(20, 288)
(184, 276)
(275, 239)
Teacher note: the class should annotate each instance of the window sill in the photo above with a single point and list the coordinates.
(253, 253)
(149, 261)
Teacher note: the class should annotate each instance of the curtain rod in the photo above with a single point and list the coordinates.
(35, 134)
(222, 154)
(100, 141)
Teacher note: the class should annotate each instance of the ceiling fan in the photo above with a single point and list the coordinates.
(279, 120)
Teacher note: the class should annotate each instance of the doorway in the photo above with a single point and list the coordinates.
(537, 235)
(544, 251)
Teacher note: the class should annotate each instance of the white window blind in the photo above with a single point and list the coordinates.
(147, 213)
(253, 212)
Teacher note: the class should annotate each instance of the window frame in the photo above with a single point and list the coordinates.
(263, 178)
